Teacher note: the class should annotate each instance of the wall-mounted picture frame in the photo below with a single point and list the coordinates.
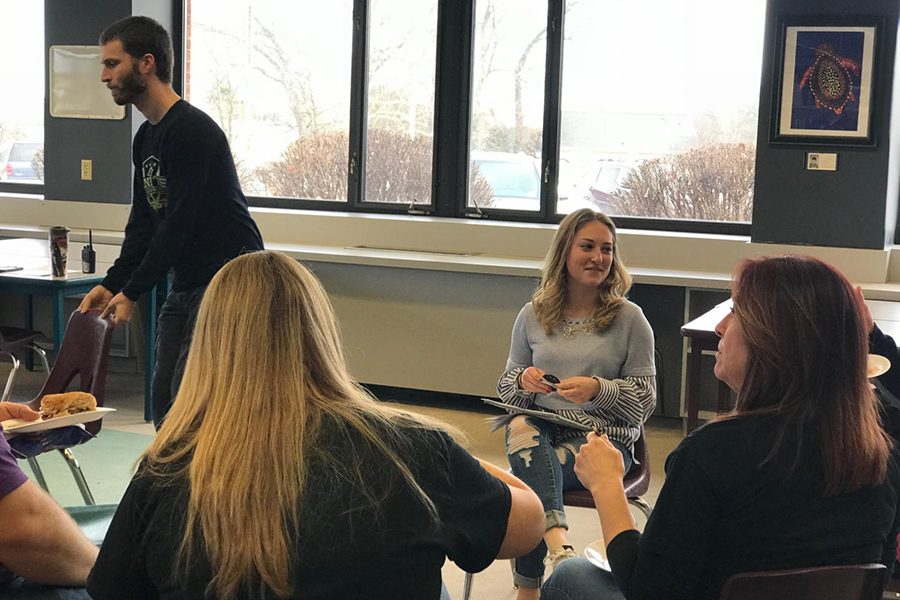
(76, 91)
(826, 71)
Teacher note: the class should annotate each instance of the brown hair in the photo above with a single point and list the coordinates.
(140, 36)
(807, 350)
(550, 298)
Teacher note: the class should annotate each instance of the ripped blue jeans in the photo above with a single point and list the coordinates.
(548, 468)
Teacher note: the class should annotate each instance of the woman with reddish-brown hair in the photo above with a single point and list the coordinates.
(799, 474)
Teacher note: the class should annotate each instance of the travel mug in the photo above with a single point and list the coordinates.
(59, 250)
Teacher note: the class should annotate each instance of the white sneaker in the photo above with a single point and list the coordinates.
(559, 554)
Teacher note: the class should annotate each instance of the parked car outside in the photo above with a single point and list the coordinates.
(16, 162)
(514, 180)
(606, 183)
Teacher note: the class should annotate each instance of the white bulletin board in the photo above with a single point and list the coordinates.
(76, 91)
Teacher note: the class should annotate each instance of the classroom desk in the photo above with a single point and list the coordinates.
(36, 279)
(701, 336)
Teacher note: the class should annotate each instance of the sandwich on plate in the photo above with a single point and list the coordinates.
(67, 403)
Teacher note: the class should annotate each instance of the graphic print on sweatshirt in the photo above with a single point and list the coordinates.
(154, 183)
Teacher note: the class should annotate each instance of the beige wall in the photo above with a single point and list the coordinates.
(415, 317)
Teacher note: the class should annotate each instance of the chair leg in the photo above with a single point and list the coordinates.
(641, 505)
(79, 476)
(11, 379)
(43, 356)
(467, 585)
(38, 474)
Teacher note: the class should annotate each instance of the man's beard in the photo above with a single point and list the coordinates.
(132, 87)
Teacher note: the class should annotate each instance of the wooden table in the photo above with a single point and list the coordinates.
(701, 335)
(36, 279)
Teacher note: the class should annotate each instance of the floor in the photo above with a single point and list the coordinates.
(109, 460)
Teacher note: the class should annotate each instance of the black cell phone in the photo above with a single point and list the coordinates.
(551, 380)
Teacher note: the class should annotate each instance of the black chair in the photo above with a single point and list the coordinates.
(83, 353)
(849, 582)
(636, 482)
(15, 341)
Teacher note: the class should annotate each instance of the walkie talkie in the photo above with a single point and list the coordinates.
(88, 256)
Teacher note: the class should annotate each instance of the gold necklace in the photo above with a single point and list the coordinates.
(572, 328)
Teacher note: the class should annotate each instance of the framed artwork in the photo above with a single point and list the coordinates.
(825, 81)
(76, 91)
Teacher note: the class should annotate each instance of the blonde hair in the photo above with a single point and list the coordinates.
(266, 371)
(549, 300)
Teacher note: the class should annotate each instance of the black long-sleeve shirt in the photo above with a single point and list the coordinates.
(188, 213)
(719, 513)
(889, 403)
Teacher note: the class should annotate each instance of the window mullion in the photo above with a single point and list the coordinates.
(452, 107)
(356, 167)
(556, 12)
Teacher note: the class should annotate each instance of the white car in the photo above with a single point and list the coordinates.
(514, 180)
(16, 162)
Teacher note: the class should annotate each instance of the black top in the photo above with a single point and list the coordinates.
(347, 547)
(888, 384)
(188, 212)
(719, 514)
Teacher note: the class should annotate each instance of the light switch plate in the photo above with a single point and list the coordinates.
(821, 161)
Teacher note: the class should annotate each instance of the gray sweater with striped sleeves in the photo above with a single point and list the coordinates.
(620, 357)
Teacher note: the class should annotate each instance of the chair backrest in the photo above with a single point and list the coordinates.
(84, 352)
(15, 339)
(636, 482)
(848, 582)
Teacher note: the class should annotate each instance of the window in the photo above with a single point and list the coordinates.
(507, 104)
(400, 101)
(506, 109)
(276, 77)
(22, 113)
(659, 115)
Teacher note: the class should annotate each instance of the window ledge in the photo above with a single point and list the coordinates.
(468, 245)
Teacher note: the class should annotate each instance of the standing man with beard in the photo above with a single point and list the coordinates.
(188, 212)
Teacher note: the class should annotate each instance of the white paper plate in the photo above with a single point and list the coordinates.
(877, 365)
(595, 557)
(23, 426)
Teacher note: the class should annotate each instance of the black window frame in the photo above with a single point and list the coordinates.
(452, 116)
(8, 187)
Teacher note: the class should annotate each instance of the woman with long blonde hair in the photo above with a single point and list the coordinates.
(275, 475)
(581, 350)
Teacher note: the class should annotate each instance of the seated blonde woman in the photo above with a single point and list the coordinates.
(276, 476)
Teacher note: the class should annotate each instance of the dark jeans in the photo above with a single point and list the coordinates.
(24, 590)
(174, 330)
